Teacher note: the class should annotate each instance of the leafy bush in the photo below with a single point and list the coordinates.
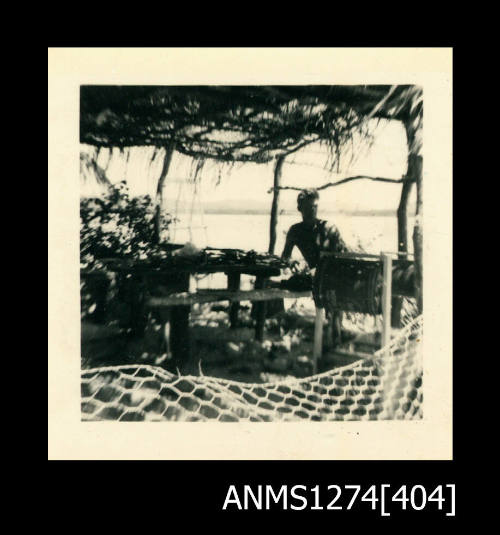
(115, 226)
(118, 225)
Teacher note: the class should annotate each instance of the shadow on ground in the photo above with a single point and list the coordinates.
(216, 349)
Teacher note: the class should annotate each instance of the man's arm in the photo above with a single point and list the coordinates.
(334, 242)
(289, 245)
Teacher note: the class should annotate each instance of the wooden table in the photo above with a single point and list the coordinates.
(168, 288)
(177, 281)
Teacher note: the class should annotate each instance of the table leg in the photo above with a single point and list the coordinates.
(180, 339)
(260, 308)
(318, 338)
(233, 285)
(138, 314)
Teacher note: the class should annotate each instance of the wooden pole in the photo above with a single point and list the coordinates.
(403, 216)
(413, 127)
(274, 208)
(180, 340)
(318, 337)
(397, 302)
(418, 239)
(260, 308)
(159, 188)
(233, 285)
(386, 298)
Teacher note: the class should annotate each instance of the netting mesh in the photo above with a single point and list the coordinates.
(387, 386)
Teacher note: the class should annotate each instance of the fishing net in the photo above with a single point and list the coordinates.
(387, 386)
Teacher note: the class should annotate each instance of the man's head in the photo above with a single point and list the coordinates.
(307, 204)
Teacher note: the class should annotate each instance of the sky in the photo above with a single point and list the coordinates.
(251, 182)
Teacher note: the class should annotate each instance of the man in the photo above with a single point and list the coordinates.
(311, 236)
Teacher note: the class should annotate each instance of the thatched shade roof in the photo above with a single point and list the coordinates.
(234, 123)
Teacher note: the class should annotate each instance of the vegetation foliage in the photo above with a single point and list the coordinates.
(115, 226)
(118, 225)
(232, 123)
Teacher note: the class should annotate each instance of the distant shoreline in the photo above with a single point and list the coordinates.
(375, 213)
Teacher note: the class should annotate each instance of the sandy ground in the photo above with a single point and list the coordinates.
(234, 354)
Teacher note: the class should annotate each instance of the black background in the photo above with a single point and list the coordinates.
(185, 495)
(135, 493)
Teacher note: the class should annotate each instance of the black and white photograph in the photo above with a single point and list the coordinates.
(253, 252)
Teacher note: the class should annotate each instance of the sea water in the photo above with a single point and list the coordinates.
(371, 234)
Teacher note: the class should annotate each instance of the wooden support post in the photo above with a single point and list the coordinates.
(413, 127)
(418, 239)
(260, 308)
(233, 285)
(135, 297)
(386, 298)
(318, 337)
(169, 151)
(274, 207)
(397, 301)
(180, 339)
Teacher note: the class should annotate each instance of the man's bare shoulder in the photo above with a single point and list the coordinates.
(334, 240)
(295, 228)
(330, 227)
